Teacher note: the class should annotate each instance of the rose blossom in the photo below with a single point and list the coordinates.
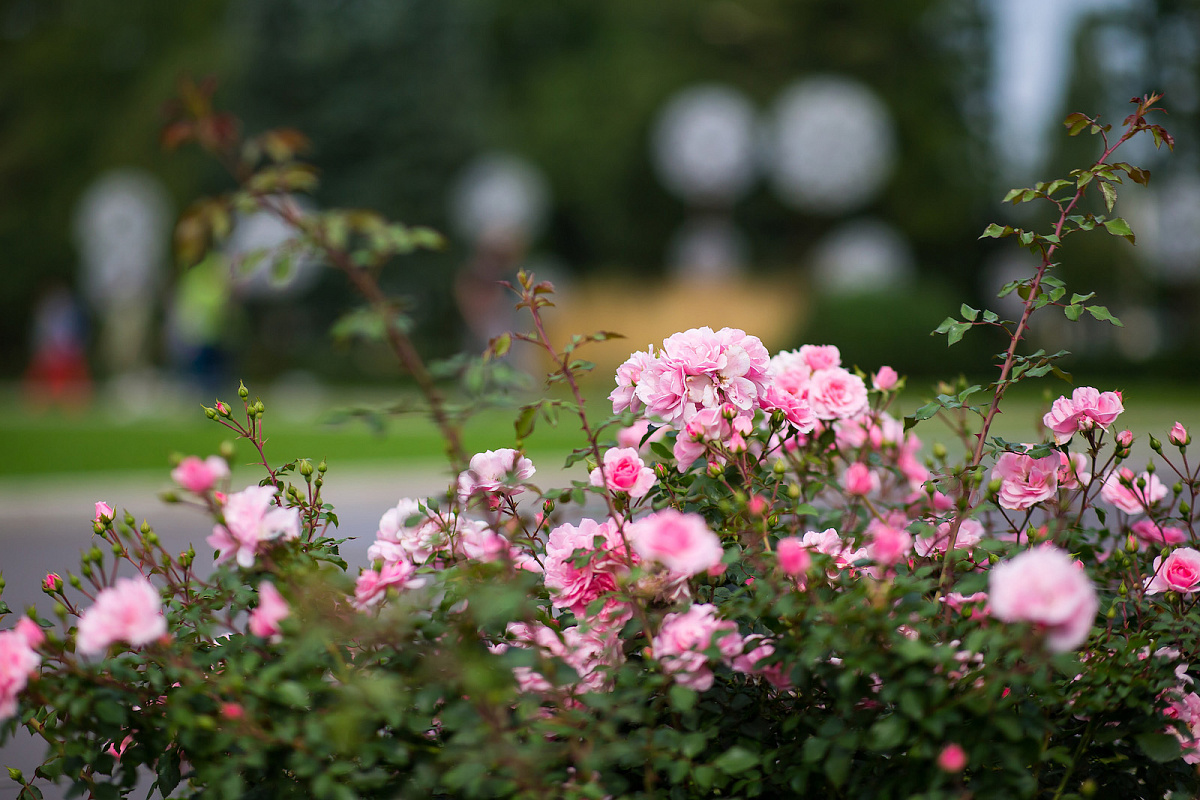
(887, 543)
(372, 585)
(198, 476)
(952, 758)
(683, 638)
(17, 662)
(1179, 435)
(104, 512)
(1026, 481)
(1131, 498)
(624, 471)
(251, 521)
(1046, 587)
(128, 611)
(270, 611)
(1088, 408)
(51, 583)
(635, 433)
(836, 393)
(1179, 572)
(970, 533)
(821, 356)
(31, 632)
(572, 586)
(860, 480)
(1149, 531)
(395, 540)
(681, 542)
(884, 379)
(495, 471)
(793, 556)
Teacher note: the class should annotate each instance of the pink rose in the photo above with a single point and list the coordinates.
(1088, 408)
(1121, 489)
(270, 611)
(793, 556)
(1026, 481)
(1046, 587)
(887, 543)
(952, 758)
(198, 476)
(1179, 435)
(624, 471)
(1179, 572)
(251, 523)
(31, 632)
(681, 542)
(860, 480)
(371, 586)
(821, 356)
(884, 379)
(51, 583)
(17, 662)
(635, 433)
(129, 611)
(970, 533)
(104, 512)
(494, 472)
(683, 638)
(836, 393)
(1148, 531)
(397, 540)
(1125, 438)
(624, 397)
(572, 586)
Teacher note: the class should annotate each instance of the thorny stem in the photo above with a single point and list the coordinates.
(967, 484)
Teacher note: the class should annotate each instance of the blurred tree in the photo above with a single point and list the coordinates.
(80, 88)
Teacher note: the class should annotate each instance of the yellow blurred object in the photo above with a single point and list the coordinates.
(771, 308)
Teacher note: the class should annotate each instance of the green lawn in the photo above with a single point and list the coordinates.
(58, 443)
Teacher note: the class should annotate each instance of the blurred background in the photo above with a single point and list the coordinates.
(813, 172)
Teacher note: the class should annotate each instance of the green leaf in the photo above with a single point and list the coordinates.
(1102, 313)
(1119, 227)
(1161, 747)
(1076, 123)
(1079, 298)
(955, 334)
(995, 231)
(968, 313)
(736, 759)
(1110, 194)
(524, 421)
(888, 732)
(1073, 311)
(682, 698)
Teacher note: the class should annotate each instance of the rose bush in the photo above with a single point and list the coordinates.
(755, 585)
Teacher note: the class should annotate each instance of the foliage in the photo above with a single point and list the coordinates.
(789, 602)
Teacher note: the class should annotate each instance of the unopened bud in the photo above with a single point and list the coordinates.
(1112, 612)
(1179, 436)
(129, 520)
(779, 467)
(259, 408)
(306, 468)
(152, 538)
(145, 529)
(1122, 589)
(994, 486)
(99, 527)
(243, 392)
(16, 775)
(548, 507)
(1155, 445)
(1185, 508)
(95, 555)
(1141, 482)
(222, 409)
(939, 451)
(168, 496)
(715, 470)
(793, 491)
(211, 413)
(1177, 488)
(1131, 544)
(74, 581)
(322, 467)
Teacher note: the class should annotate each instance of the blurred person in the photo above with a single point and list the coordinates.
(58, 371)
